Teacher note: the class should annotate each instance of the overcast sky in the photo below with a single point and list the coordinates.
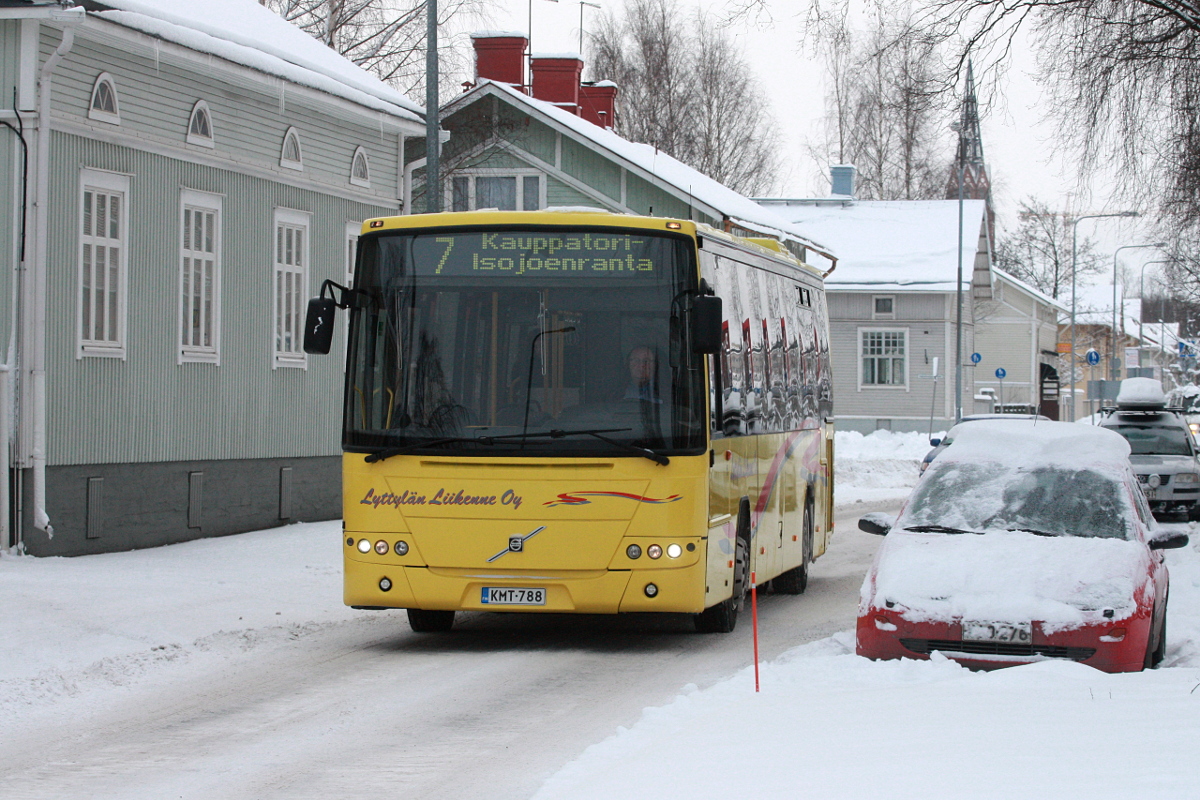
(1017, 143)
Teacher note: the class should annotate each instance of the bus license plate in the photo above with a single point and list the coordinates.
(1007, 632)
(512, 596)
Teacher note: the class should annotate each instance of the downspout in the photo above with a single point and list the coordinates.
(36, 343)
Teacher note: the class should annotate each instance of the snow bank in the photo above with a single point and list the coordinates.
(879, 466)
(830, 724)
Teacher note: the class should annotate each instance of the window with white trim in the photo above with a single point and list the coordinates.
(883, 306)
(500, 189)
(290, 155)
(200, 277)
(103, 105)
(103, 256)
(200, 128)
(290, 286)
(360, 169)
(884, 359)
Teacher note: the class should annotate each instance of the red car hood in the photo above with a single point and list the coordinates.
(1063, 582)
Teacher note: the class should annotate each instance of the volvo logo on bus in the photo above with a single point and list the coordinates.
(516, 544)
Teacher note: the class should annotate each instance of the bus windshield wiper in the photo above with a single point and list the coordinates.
(388, 452)
(935, 529)
(644, 452)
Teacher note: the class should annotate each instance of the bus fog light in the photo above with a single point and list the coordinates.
(651, 590)
(401, 548)
(381, 547)
(633, 551)
(654, 551)
(385, 584)
(364, 546)
(674, 551)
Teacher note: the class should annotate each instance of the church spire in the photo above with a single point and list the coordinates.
(976, 185)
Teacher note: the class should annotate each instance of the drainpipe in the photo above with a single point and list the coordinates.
(35, 344)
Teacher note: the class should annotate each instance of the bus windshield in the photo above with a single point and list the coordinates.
(564, 342)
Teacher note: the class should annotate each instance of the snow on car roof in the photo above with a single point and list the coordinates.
(1030, 442)
(1141, 392)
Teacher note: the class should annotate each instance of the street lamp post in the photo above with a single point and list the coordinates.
(1074, 293)
(1112, 348)
(1142, 294)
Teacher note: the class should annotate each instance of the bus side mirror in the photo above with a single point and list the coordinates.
(318, 325)
(707, 315)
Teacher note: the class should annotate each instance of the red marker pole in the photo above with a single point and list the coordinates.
(754, 622)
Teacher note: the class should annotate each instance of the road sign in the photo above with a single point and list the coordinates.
(976, 358)
(1093, 357)
(1000, 373)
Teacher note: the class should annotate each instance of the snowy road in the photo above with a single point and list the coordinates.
(361, 704)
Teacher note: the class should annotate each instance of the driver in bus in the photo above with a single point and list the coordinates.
(643, 376)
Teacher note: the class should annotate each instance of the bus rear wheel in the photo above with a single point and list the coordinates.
(423, 621)
(722, 618)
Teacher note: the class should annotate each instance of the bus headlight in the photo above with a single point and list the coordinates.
(381, 547)
(401, 548)
(674, 551)
(654, 551)
(633, 551)
(364, 545)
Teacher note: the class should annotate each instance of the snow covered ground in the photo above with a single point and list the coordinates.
(78, 632)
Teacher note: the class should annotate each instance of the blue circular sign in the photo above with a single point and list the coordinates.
(976, 358)
(1000, 373)
(1093, 357)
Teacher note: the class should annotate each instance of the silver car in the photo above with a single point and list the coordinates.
(1164, 456)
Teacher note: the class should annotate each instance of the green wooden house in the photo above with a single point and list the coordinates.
(176, 180)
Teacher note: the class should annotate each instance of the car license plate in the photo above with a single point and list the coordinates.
(1007, 632)
(1150, 491)
(512, 596)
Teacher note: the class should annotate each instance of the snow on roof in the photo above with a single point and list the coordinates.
(894, 244)
(741, 210)
(246, 33)
(1141, 392)
(1037, 293)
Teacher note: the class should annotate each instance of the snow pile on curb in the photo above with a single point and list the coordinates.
(879, 466)
(830, 724)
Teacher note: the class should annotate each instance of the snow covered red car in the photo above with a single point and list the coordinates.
(1022, 542)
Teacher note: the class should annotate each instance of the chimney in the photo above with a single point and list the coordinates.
(500, 56)
(556, 80)
(843, 179)
(598, 103)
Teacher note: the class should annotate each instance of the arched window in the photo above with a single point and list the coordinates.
(360, 169)
(200, 129)
(291, 156)
(104, 100)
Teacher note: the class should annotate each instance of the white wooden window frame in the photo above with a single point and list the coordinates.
(289, 288)
(189, 351)
(360, 154)
(863, 334)
(209, 141)
(111, 117)
(519, 174)
(875, 314)
(297, 164)
(110, 184)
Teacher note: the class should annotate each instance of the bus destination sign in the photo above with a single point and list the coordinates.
(540, 255)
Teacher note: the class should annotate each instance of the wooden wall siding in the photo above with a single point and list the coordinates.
(10, 51)
(560, 194)
(156, 94)
(496, 158)
(860, 305)
(148, 408)
(643, 197)
(592, 168)
(536, 139)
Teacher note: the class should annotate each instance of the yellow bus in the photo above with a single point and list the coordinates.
(581, 412)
